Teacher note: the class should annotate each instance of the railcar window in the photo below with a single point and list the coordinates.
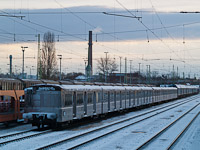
(111, 97)
(128, 96)
(105, 97)
(123, 95)
(98, 97)
(117, 96)
(68, 99)
(3, 86)
(79, 99)
(90, 98)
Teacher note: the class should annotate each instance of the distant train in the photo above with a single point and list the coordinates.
(48, 104)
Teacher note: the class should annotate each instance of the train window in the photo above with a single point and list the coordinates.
(105, 97)
(79, 99)
(112, 97)
(89, 96)
(99, 97)
(68, 99)
(117, 96)
(128, 96)
(3, 86)
(123, 95)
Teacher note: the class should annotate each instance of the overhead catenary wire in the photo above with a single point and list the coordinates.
(147, 28)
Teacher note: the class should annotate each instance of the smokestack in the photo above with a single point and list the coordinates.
(90, 68)
(10, 65)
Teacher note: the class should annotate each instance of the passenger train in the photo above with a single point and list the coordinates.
(55, 104)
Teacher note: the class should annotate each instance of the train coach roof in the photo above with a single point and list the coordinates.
(137, 88)
(80, 87)
(97, 87)
(164, 88)
(9, 79)
(185, 86)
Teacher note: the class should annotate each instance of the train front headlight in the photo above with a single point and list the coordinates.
(64, 113)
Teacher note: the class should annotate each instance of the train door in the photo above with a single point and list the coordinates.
(102, 97)
(108, 101)
(120, 99)
(115, 103)
(85, 103)
(133, 98)
(94, 102)
(74, 104)
(130, 96)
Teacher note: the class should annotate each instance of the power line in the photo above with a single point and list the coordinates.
(147, 28)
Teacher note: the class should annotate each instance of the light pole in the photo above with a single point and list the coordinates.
(139, 72)
(147, 73)
(125, 77)
(23, 49)
(120, 69)
(130, 71)
(106, 67)
(60, 57)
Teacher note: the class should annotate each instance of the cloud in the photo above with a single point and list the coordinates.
(75, 26)
(97, 30)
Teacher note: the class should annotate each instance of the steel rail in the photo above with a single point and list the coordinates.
(14, 134)
(182, 132)
(164, 129)
(25, 137)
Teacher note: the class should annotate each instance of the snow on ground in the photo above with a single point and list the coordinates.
(191, 138)
(14, 128)
(133, 136)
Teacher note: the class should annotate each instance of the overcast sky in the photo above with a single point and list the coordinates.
(159, 34)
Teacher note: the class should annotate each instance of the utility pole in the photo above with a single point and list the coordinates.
(106, 73)
(139, 72)
(125, 77)
(177, 71)
(11, 66)
(60, 57)
(148, 73)
(120, 69)
(130, 71)
(173, 72)
(23, 49)
(39, 59)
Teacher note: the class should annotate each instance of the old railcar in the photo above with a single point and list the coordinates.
(56, 104)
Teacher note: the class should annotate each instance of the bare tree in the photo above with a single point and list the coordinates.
(48, 56)
(108, 65)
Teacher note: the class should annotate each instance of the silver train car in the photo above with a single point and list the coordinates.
(50, 104)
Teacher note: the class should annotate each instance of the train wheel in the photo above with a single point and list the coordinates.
(6, 124)
(38, 126)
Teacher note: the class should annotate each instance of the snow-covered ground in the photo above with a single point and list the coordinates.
(191, 138)
(14, 128)
(127, 138)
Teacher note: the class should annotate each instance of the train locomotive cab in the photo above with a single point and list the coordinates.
(42, 104)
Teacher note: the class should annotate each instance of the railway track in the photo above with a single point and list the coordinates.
(182, 132)
(23, 137)
(15, 134)
(78, 136)
(164, 130)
